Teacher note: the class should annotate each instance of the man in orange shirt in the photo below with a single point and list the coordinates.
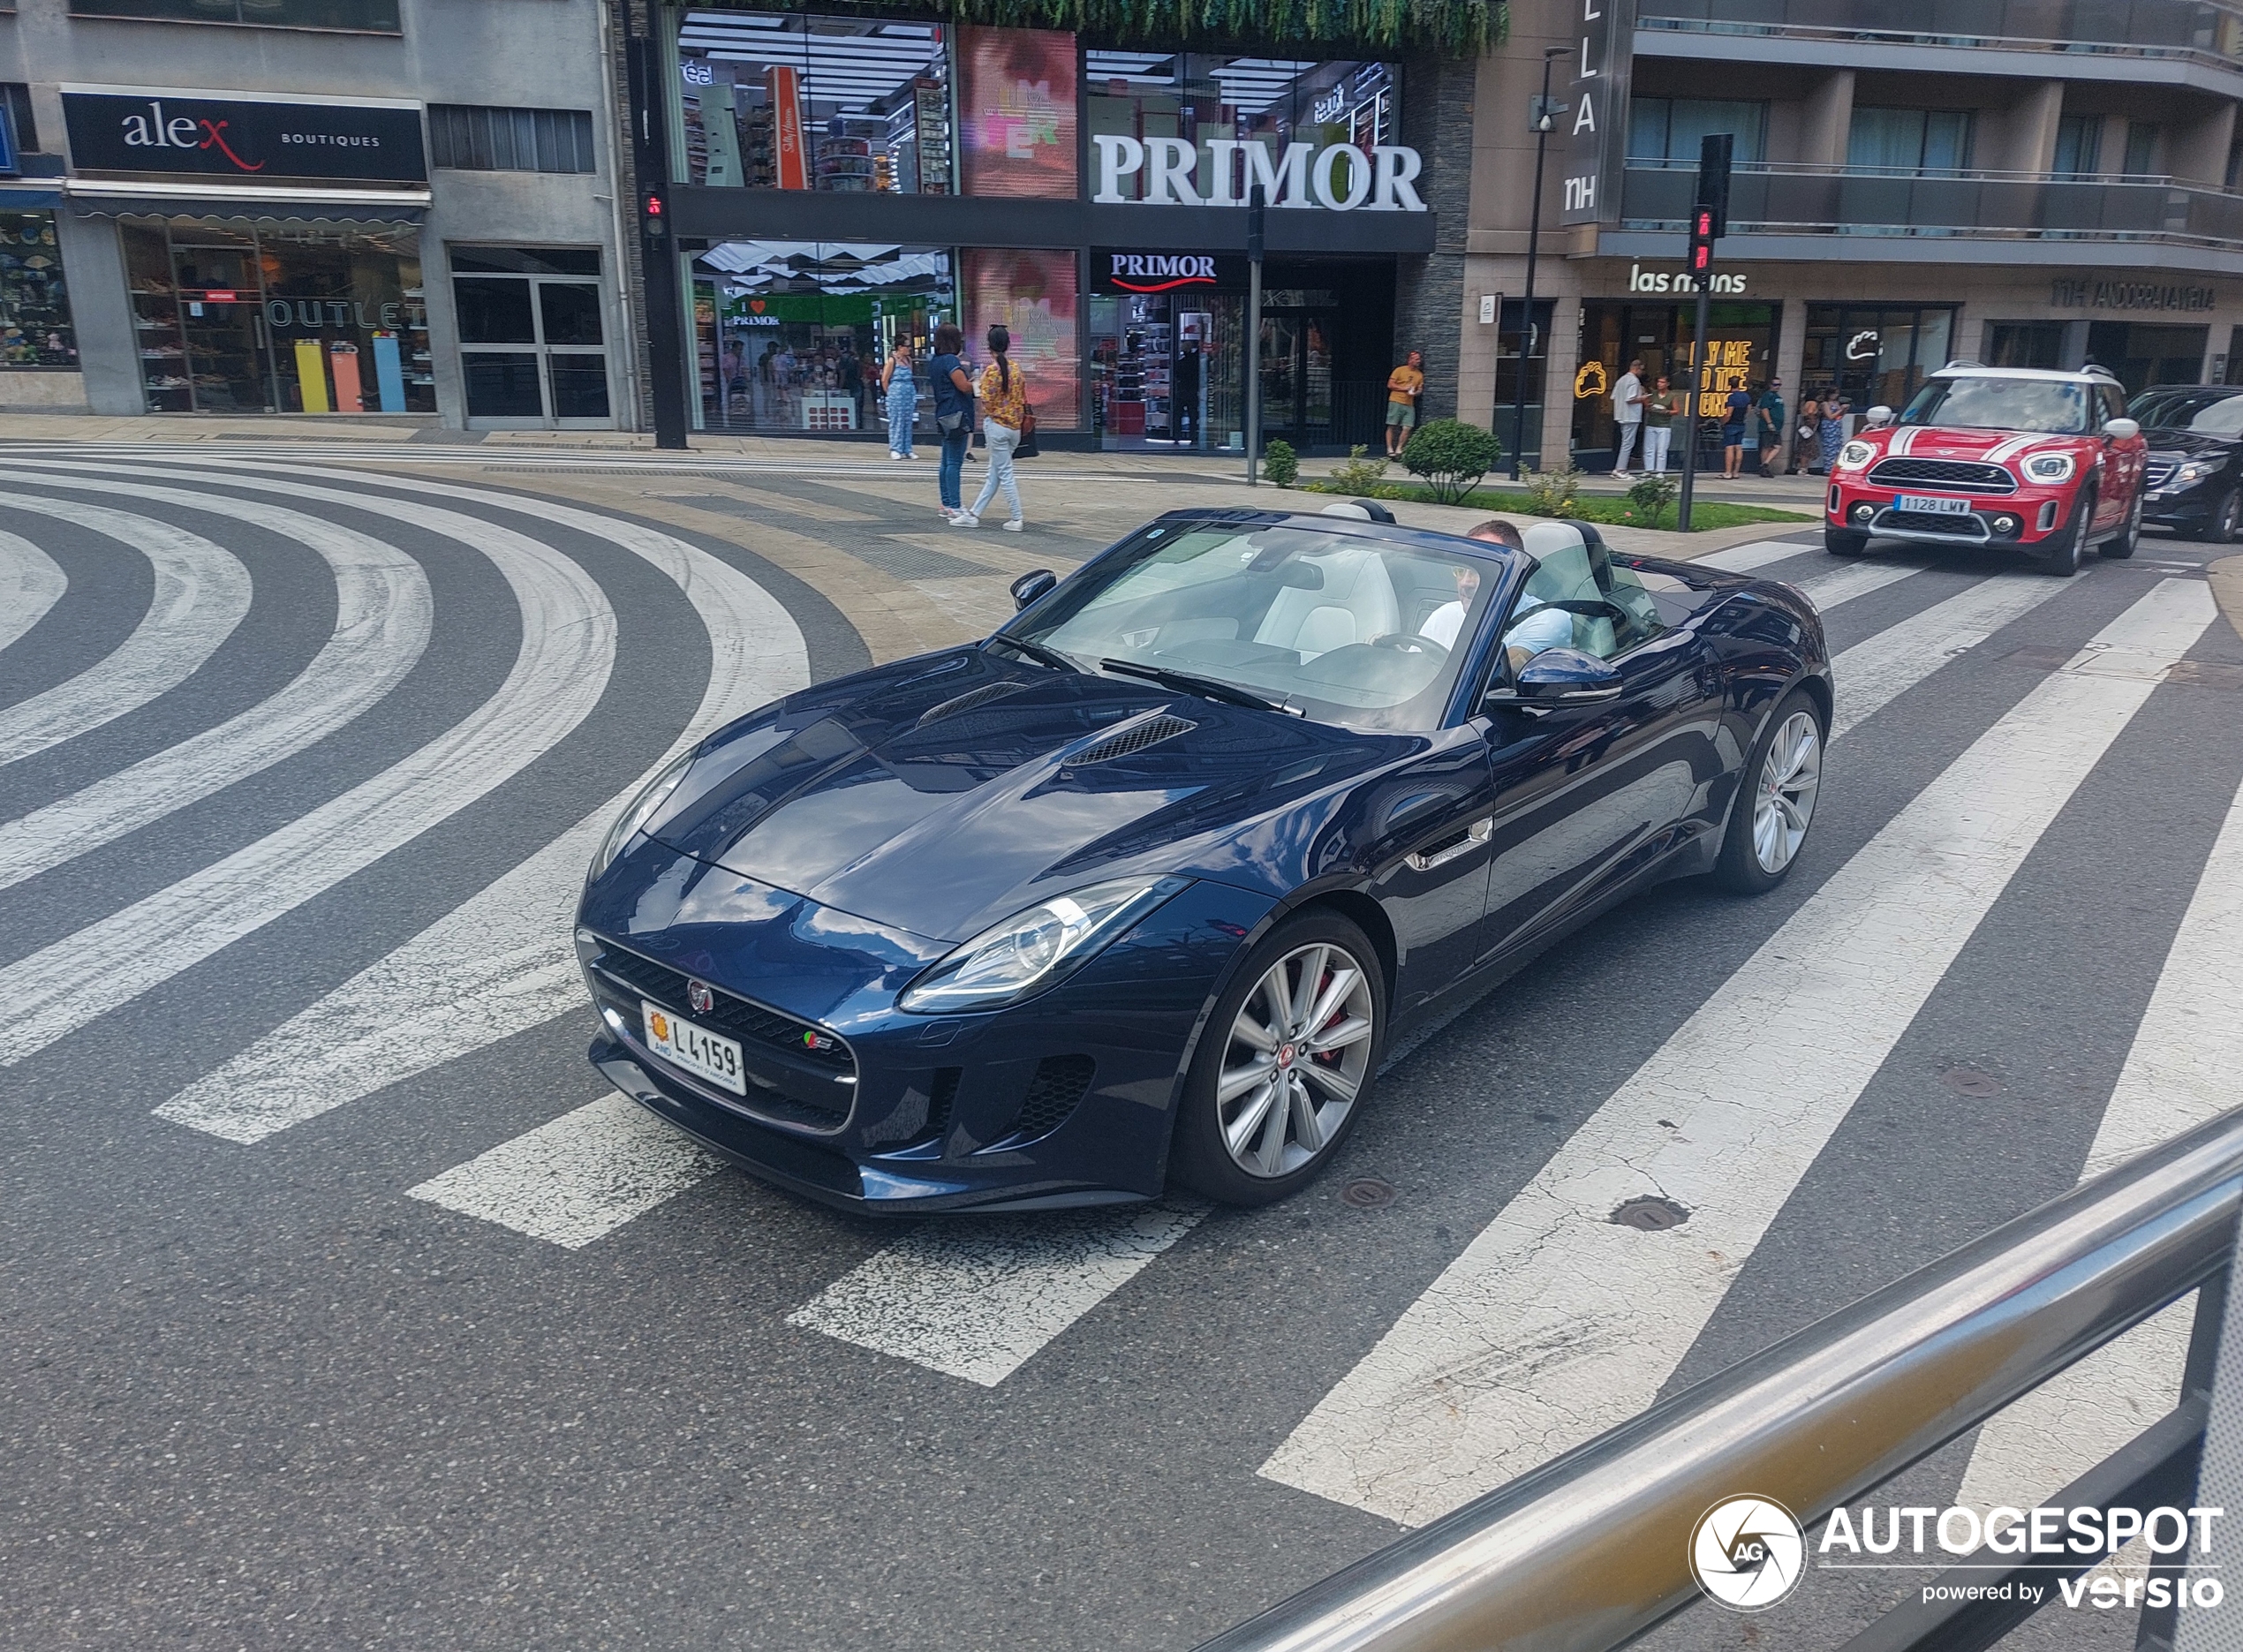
(1404, 385)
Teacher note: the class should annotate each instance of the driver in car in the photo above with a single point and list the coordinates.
(1528, 635)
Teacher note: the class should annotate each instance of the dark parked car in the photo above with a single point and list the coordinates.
(2195, 435)
(1146, 882)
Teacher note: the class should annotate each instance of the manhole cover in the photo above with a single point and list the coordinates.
(1650, 1215)
(1367, 1193)
(1970, 1081)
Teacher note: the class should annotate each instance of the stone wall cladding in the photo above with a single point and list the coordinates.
(1428, 297)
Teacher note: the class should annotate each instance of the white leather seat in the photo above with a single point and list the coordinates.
(1567, 573)
(1355, 604)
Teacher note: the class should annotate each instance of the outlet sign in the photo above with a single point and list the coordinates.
(1339, 177)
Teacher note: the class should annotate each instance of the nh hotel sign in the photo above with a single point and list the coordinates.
(1339, 177)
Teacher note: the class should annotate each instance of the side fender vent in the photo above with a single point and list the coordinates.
(1060, 1084)
(1135, 738)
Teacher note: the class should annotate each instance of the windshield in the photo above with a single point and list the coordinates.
(1345, 628)
(2206, 416)
(1991, 403)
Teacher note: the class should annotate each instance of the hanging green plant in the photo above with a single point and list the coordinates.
(1457, 28)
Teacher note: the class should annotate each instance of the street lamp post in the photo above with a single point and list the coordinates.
(1544, 120)
(1257, 222)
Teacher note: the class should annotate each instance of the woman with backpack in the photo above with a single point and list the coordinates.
(1004, 403)
(902, 390)
(953, 412)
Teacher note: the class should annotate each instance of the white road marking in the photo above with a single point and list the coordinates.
(976, 1299)
(31, 582)
(201, 592)
(382, 623)
(1877, 669)
(578, 1178)
(2179, 1072)
(568, 649)
(505, 950)
(1557, 1323)
(1850, 580)
(1746, 559)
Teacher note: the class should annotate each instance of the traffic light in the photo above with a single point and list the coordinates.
(656, 219)
(1710, 212)
(1703, 229)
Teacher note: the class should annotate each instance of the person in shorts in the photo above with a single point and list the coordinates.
(1404, 385)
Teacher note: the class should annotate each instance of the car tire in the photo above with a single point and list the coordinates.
(1844, 541)
(1220, 1152)
(2065, 559)
(1774, 807)
(2225, 526)
(2121, 544)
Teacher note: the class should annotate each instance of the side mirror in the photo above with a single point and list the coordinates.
(1030, 588)
(1561, 676)
(2122, 429)
(1876, 416)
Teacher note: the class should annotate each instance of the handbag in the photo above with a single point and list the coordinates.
(951, 424)
(1027, 450)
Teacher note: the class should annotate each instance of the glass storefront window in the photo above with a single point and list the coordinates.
(1876, 355)
(232, 316)
(789, 335)
(1163, 370)
(1194, 97)
(772, 101)
(34, 303)
(1741, 355)
(545, 301)
(1017, 114)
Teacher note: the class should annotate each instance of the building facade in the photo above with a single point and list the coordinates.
(840, 183)
(2031, 183)
(406, 208)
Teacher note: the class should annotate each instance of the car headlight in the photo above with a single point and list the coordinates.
(2194, 471)
(1035, 949)
(1854, 455)
(633, 819)
(2051, 467)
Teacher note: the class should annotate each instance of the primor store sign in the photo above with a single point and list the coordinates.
(113, 130)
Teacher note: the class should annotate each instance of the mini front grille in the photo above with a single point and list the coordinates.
(1150, 732)
(737, 1018)
(1931, 522)
(1060, 1084)
(1959, 473)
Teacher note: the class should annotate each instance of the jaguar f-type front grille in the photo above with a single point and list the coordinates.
(1957, 473)
(734, 1017)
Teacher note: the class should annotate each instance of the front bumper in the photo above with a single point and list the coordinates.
(2192, 505)
(1064, 1100)
(2020, 520)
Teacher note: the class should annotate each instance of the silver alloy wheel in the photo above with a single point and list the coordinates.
(1784, 802)
(1298, 1055)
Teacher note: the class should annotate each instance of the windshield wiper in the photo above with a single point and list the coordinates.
(1037, 651)
(1206, 687)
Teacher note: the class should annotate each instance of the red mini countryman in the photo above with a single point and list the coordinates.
(2045, 462)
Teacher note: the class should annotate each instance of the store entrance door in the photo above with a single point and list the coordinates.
(533, 348)
(1295, 361)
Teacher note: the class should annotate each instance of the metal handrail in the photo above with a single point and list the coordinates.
(1590, 1549)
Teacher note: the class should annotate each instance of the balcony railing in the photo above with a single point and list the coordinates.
(1777, 200)
(2183, 29)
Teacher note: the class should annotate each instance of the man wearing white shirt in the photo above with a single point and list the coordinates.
(1526, 637)
(1628, 415)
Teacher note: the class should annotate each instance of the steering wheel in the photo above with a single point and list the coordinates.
(1405, 642)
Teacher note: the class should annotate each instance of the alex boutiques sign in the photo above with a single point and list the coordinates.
(118, 131)
(1339, 177)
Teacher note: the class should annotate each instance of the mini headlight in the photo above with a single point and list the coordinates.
(2049, 467)
(1854, 455)
(1035, 949)
(633, 819)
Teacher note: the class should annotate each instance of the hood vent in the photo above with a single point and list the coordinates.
(1135, 738)
(967, 701)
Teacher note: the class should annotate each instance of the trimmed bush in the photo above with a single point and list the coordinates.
(1452, 456)
(1282, 464)
(1649, 498)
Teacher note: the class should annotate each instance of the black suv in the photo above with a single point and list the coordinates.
(2196, 481)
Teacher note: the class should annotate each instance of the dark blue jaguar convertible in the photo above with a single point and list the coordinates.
(1141, 886)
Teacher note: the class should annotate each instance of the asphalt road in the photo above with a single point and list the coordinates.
(341, 1305)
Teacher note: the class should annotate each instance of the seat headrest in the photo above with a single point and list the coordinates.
(1362, 509)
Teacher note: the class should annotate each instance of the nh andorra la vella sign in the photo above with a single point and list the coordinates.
(1339, 177)
(209, 135)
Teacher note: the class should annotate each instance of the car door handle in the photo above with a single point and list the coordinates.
(1448, 848)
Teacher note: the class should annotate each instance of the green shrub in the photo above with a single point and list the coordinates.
(1452, 456)
(1282, 464)
(1359, 475)
(1649, 498)
(1555, 493)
